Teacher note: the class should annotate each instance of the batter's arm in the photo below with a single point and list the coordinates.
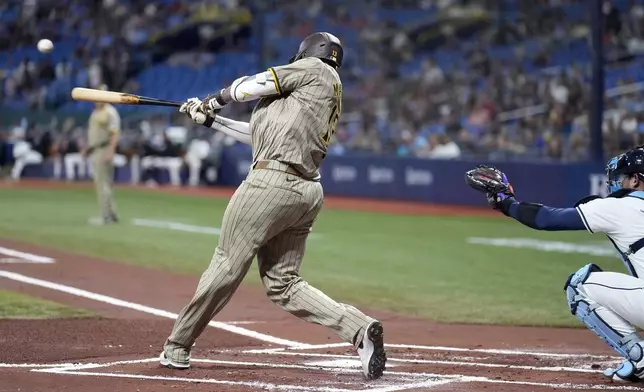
(243, 89)
(250, 88)
(238, 130)
(275, 81)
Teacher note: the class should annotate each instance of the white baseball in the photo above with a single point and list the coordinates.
(45, 46)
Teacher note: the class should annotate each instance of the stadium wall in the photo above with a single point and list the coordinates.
(431, 181)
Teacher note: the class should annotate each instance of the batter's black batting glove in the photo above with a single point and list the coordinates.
(213, 103)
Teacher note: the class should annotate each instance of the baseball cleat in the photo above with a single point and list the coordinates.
(626, 372)
(170, 364)
(372, 351)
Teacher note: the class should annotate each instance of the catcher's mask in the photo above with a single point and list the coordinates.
(325, 46)
(624, 166)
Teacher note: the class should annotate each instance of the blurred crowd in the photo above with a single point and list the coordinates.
(154, 147)
(108, 38)
(490, 107)
(499, 108)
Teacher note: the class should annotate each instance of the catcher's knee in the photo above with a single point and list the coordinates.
(574, 282)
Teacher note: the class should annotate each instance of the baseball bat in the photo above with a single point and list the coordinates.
(94, 95)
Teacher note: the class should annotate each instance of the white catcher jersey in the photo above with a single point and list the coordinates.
(622, 220)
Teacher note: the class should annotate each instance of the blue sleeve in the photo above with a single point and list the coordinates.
(546, 218)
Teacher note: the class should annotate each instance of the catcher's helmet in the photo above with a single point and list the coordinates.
(325, 46)
(627, 164)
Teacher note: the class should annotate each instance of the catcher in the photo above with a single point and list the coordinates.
(610, 304)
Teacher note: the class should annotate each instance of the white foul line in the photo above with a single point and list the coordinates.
(169, 225)
(26, 257)
(145, 309)
(34, 365)
(177, 226)
(546, 246)
(82, 366)
(247, 322)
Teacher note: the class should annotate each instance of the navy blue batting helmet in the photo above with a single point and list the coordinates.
(324, 46)
(625, 165)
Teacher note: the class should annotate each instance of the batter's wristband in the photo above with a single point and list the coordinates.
(209, 121)
(219, 97)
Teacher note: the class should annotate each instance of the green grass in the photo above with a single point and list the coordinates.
(415, 265)
(20, 306)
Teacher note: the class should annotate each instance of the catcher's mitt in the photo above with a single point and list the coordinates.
(488, 180)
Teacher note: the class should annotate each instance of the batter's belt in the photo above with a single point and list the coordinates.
(276, 165)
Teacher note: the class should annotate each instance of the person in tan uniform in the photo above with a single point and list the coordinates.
(272, 212)
(102, 139)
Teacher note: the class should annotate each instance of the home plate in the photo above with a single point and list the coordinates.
(341, 363)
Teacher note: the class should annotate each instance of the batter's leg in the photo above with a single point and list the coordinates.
(215, 289)
(279, 264)
(255, 213)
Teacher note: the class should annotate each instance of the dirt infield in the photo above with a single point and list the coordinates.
(257, 346)
(253, 345)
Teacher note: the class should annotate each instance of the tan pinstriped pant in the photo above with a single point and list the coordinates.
(103, 173)
(269, 216)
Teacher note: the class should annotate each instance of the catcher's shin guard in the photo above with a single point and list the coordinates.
(631, 346)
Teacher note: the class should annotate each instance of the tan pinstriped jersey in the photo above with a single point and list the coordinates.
(296, 126)
(103, 122)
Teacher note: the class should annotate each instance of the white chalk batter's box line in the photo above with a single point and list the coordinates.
(352, 361)
(544, 354)
(405, 380)
(466, 362)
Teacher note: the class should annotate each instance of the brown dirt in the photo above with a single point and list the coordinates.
(121, 334)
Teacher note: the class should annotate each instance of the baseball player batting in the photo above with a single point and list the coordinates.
(272, 212)
(610, 304)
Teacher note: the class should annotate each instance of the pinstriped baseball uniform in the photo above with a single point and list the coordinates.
(298, 129)
(273, 210)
